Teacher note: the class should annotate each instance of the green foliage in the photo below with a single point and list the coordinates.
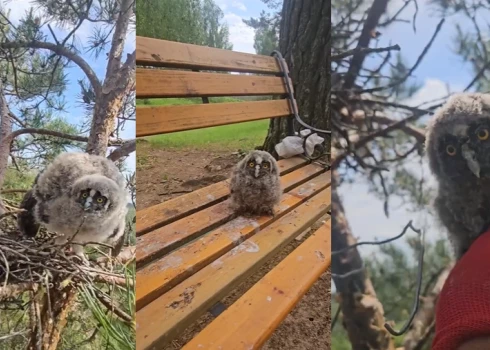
(266, 28)
(35, 82)
(114, 333)
(472, 42)
(17, 180)
(197, 22)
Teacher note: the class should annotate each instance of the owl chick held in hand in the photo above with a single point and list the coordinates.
(255, 185)
(458, 148)
(79, 196)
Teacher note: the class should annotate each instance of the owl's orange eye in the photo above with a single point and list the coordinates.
(251, 164)
(84, 195)
(266, 165)
(451, 150)
(483, 134)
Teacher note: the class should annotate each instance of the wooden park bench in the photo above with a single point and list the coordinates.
(191, 250)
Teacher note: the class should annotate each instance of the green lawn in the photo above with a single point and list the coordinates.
(243, 136)
(227, 137)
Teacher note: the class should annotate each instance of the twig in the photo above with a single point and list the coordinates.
(364, 51)
(404, 231)
(109, 304)
(15, 334)
(382, 132)
(123, 151)
(414, 67)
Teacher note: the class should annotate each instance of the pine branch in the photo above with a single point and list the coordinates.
(62, 51)
(123, 151)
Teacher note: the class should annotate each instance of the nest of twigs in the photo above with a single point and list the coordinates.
(30, 263)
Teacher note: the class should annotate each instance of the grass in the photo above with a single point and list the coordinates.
(244, 136)
(227, 137)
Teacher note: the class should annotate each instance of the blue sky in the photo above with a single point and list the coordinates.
(241, 35)
(74, 112)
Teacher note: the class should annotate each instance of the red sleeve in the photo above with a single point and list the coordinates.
(463, 309)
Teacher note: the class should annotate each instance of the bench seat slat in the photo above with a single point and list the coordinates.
(250, 321)
(161, 320)
(166, 119)
(163, 53)
(169, 83)
(165, 239)
(162, 214)
(162, 275)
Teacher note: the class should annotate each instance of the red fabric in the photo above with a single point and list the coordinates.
(463, 309)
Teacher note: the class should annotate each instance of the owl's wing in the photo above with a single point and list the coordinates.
(25, 220)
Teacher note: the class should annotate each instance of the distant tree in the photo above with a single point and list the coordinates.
(266, 28)
(197, 22)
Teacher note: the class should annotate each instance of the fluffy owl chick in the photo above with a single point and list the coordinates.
(458, 148)
(81, 197)
(255, 186)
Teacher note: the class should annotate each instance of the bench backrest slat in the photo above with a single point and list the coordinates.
(168, 69)
(171, 83)
(166, 119)
(163, 53)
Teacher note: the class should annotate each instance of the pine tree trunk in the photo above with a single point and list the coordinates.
(363, 315)
(5, 131)
(119, 81)
(305, 44)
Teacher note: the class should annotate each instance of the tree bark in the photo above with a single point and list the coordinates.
(51, 318)
(5, 131)
(423, 322)
(305, 44)
(118, 83)
(363, 314)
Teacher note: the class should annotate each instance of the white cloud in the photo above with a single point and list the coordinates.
(19, 10)
(432, 89)
(241, 35)
(239, 5)
(223, 4)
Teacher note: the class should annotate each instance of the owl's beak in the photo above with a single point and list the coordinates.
(88, 203)
(470, 157)
(257, 171)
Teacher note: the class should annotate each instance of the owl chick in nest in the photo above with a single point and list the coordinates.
(255, 186)
(458, 148)
(82, 198)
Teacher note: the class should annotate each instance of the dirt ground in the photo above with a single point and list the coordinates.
(163, 174)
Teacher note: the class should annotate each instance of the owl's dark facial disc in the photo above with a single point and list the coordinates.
(465, 152)
(93, 201)
(258, 167)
